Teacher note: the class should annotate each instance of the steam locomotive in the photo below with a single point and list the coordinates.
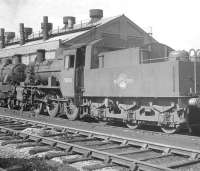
(103, 72)
(135, 93)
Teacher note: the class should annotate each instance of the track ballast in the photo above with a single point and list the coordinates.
(106, 150)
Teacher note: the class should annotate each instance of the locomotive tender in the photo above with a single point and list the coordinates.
(105, 68)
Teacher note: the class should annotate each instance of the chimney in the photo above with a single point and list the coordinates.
(96, 15)
(22, 35)
(2, 38)
(46, 27)
(9, 36)
(69, 22)
(27, 31)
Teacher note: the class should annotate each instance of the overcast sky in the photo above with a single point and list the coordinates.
(174, 22)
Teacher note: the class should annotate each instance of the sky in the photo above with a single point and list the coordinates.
(173, 22)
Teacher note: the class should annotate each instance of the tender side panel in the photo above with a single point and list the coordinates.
(142, 80)
(186, 77)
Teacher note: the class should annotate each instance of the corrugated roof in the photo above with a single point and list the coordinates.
(31, 47)
(51, 43)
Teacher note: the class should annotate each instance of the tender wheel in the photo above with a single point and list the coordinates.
(170, 130)
(38, 108)
(53, 109)
(71, 111)
(132, 125)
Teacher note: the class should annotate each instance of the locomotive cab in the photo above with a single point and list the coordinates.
(72, 75)
(72, 80)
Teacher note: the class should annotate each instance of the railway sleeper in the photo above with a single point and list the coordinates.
(31, 144)
(7, 137)
(51, 155)
(80, 140)
(97, 166)
(156, 157)
(132, 152)
(181, 163)
(14, 142)
(77, 159)
(36, 150)
(114, 147)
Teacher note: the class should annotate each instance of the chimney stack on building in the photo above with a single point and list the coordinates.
(9, 36)
(27, 31)
(22, 33)
(69, 22)
(46, 28)
(96, 15)
(2, 38)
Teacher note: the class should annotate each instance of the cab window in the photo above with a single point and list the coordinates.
(69, 61)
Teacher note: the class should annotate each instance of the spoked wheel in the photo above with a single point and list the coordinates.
(132, 125)
(38, 108)
(11, 103)
(71, 111)
(170, 130)
(53, 109)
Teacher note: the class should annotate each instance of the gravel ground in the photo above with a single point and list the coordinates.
(34, 164)
(10, 156)
(9, 151)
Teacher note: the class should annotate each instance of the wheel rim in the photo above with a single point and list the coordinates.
(169, 130)
(53, 109)
(132, 125)
(71, 111)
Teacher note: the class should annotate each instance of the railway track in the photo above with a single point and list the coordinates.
(151, 130)
(97, 150)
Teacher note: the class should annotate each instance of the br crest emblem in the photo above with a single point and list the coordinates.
(122, 81)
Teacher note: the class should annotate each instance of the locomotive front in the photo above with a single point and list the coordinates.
(12, 71)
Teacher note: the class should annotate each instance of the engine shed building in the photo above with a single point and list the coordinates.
(108, 34)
